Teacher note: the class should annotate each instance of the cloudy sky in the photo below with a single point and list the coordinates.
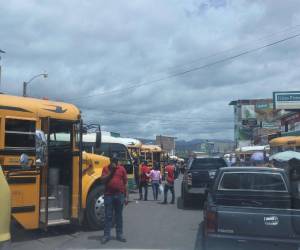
(114, 59)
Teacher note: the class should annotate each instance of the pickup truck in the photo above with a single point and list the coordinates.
(250, 204)
(198, 176)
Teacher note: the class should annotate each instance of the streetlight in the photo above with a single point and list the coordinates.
(25, 84)
(1, 51)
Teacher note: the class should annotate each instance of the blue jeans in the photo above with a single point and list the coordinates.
(113, 205)
(155, 186)
(145, 186)
(168, 187)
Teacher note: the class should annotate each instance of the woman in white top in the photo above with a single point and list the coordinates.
(155, 176)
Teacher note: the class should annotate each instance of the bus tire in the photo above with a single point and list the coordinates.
(95, 212)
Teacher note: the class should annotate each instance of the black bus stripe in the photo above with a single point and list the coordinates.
(24, 209)
(12, 108)
(17, 151)
(21, 180)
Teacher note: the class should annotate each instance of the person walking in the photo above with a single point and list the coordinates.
(115, 196)
(143, 182)
(136, 172)
(169, 185)
(155, 177)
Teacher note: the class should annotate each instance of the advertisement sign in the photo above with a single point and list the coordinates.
(249, 122)
(264, 106)
(271, 125)
(245, 133)
(248, 112)
(288, 100)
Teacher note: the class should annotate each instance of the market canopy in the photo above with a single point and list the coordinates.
(285, 156)
(250, 149)
(257, 156)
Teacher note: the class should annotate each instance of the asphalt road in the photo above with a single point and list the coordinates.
(147, 225)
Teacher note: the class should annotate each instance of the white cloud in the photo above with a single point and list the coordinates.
(97, 46)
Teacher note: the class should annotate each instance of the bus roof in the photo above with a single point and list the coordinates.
(151, 148)
(16, 106)
(285, 141)
(105, 138)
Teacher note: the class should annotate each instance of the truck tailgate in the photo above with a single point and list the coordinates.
(200, 178)
(259, 222)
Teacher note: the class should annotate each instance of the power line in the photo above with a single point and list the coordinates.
(286, 29)
(163, 118)
(234, 48)
(230, 58)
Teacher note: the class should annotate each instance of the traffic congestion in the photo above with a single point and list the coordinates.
(149, 125)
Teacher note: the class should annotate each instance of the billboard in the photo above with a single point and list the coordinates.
(248, 112)
(244, 133)
(288, 100)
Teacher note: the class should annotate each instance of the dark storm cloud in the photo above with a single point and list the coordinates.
(94, 47)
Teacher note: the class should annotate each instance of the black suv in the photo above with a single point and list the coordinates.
(198, 176)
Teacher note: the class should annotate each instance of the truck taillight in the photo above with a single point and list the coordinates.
(211, 222)
(189, 179)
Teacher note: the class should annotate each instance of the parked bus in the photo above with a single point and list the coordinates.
(67, 188)
(134, 147)
(151, 153)
(111, 146)
(285, 143)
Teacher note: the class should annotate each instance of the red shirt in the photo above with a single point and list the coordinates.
(144, 171)
(170, 169)
(117, 184)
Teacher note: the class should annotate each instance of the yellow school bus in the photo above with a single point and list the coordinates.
(109, 147)
(65, 189)
(151, 153)
(285, 143)
(5, 212)
(134, 147)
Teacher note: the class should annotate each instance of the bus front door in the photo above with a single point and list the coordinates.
(44, 197)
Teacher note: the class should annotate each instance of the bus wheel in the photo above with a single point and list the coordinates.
(95, 208)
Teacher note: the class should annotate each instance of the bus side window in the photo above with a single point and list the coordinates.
(19, 133)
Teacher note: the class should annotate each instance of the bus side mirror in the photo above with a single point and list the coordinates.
(98, 139)
(40, 148)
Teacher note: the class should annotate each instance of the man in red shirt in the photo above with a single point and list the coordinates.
(170, 177)
(144, 179)
(115, 196)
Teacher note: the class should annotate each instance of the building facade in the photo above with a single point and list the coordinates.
(254, 121)
(167, 143)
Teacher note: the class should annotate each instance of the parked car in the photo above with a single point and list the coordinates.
(198, 176)
(250, 204)
(5, 213)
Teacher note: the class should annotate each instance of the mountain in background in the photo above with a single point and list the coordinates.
(184, 147)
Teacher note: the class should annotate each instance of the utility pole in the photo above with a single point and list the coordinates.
(1, 51)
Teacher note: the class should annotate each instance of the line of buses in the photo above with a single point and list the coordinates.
(53, 166)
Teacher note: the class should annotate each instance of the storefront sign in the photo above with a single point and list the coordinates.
(289, 100)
